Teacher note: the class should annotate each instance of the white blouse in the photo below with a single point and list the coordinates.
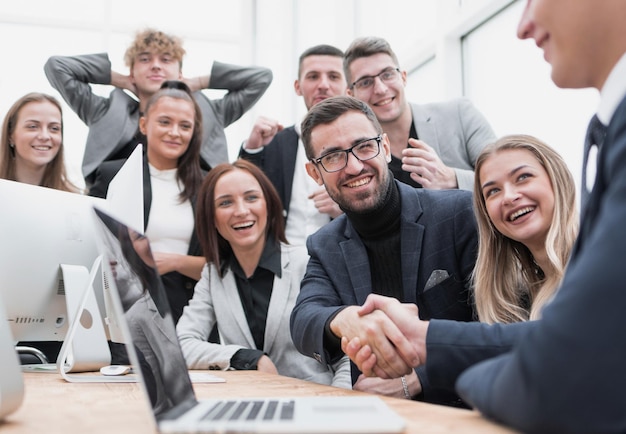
(171, 222)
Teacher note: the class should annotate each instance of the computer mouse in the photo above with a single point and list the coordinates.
(115, 370)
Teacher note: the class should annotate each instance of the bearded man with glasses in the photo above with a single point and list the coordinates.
(432, 145)
(416, 245)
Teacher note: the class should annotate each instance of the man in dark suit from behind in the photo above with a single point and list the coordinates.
(564, 372)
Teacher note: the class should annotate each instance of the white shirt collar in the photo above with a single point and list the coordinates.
(613, 91)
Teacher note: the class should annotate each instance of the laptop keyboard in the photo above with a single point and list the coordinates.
(251, 410)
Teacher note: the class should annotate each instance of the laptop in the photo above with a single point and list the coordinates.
(156, 357)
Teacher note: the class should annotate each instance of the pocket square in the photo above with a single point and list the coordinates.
(436, 278)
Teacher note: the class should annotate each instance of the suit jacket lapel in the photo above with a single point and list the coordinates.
(235, 310)
(194, 243)
(281, 293)
(147, 191)
(425, 127)
(412, 234)
(357, 263)
(289, 152)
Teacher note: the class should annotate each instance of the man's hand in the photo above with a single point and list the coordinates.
(392, 350)
(425, 167)
(197, 83)
(122, 81)
(262, 133)
(324, 204)
(392, 387)
(380, 335)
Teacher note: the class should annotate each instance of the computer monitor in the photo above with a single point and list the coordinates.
(40, 229)
(11, 380)
(49, 259)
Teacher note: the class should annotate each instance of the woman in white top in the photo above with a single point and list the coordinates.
(172, 176)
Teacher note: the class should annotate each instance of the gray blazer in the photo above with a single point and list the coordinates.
(216, 300)
(457, 131)
(113, 120)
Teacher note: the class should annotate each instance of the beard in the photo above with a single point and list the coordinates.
(365, 201)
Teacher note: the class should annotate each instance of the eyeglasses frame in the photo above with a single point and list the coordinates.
(318, 161)
(373, 77)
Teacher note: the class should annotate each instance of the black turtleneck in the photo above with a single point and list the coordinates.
(379, 230)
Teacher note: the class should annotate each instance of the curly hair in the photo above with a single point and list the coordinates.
(154, 40)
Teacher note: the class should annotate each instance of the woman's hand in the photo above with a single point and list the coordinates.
(265, 364)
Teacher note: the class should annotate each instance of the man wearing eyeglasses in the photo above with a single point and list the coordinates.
(416, 245)
(432, 145)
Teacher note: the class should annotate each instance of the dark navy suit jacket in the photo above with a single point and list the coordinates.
(278, 162)
(567, 371)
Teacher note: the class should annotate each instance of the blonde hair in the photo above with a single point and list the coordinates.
(508, 285)
(55, 175)
(154, 40)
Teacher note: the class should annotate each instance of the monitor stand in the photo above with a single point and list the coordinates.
(85, 348)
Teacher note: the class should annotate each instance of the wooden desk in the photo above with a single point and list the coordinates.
(51, 405)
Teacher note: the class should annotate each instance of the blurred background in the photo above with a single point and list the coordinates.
(449, 48)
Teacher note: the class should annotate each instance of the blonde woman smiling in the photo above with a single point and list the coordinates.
(524, 200)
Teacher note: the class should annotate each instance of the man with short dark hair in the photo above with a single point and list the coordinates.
(279, 153)
(416, 245)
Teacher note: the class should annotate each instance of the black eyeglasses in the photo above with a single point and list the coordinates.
(336, 160)
(386, 76)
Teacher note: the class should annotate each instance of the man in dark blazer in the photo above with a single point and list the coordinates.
(153, 58)
(564, 372)
(416, 245)
(280, 154)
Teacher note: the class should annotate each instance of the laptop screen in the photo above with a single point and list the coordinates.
(145, 320)
(132, 273)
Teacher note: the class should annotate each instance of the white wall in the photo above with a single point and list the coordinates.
(510, 83)
(37, 29)
(450, 48)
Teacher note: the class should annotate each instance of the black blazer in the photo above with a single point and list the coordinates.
(278, 162)
(178, 287)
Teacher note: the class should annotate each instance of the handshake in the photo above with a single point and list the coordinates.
(383, 337)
